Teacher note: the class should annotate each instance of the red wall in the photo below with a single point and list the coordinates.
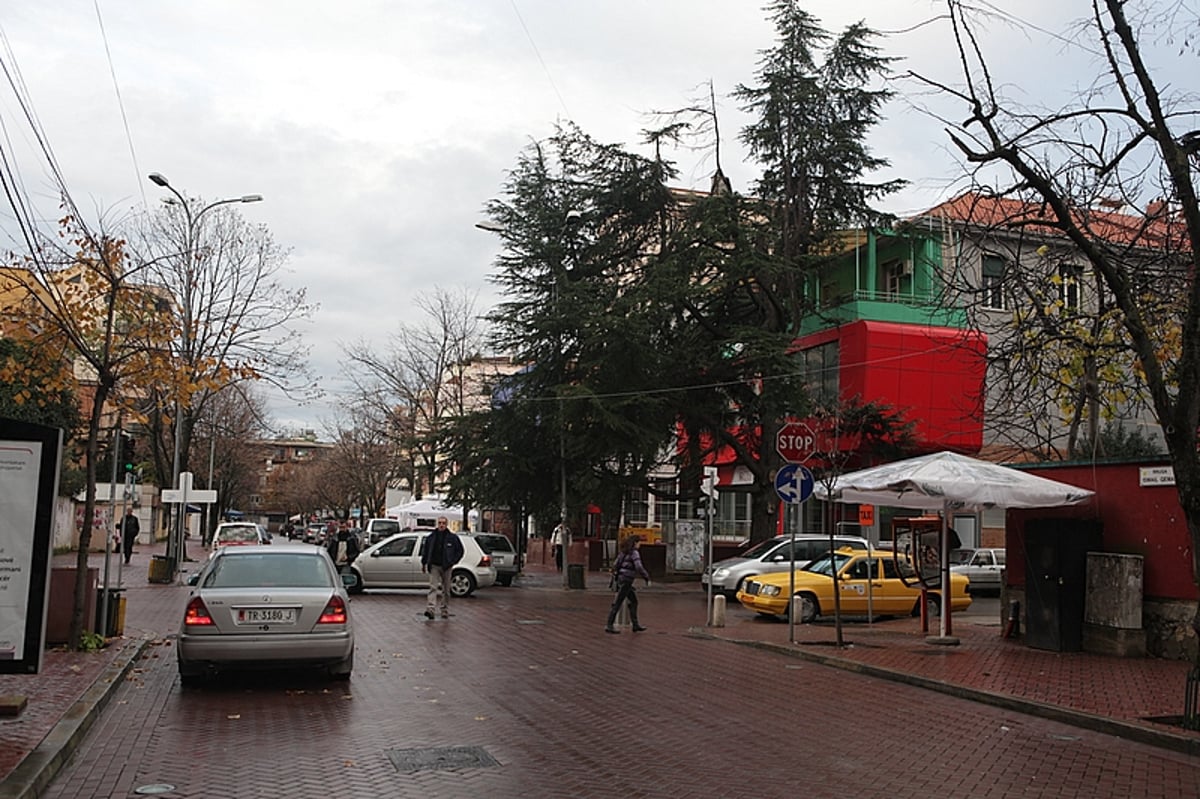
(1137, 520)
(934, 373)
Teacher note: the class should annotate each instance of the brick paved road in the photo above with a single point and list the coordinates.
(528, 677)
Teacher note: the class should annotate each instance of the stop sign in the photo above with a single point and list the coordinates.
(795, 442)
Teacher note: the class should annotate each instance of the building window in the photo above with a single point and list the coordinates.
(820, 370)
(637, 507)
(664, 510)
(1069, 278)
(993, 282)
(897, 275)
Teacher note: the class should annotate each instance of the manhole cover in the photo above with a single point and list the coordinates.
(440, 759)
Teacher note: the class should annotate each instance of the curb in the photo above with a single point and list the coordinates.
(33, 774)
(1159, 738)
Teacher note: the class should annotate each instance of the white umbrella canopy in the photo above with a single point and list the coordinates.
(950, 481)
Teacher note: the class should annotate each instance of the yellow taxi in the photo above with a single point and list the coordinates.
(862, 577)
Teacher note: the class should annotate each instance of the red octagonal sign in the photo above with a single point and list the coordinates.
(796, 442)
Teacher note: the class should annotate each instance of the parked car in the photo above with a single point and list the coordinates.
(504, 555)
(861, 575)
(982, 567)
(395, 562)
(773, 555)
(239, 534)
(313, 533)
(257, 607)
(379, 529)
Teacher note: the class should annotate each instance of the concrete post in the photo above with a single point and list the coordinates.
(718, 611)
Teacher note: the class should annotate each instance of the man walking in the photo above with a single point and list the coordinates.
(440, 550)
(130, 527)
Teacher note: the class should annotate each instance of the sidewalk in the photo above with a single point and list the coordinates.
(1110, 695)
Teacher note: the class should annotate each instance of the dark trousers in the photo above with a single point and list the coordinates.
(625, 593)
(558, 556)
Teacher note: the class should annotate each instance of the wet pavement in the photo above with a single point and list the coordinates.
(1113, 696)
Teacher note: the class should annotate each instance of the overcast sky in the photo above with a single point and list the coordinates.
(376, 130)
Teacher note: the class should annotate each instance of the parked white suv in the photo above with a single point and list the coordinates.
(395, 562)
(772, 555)
(379, 529)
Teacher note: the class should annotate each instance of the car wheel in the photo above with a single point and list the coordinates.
(355, 587)
(342, 670)
(462, 583)
(933, 606)
(809, 608)
(504, 579)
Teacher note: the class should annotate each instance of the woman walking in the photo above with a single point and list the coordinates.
(626, 569)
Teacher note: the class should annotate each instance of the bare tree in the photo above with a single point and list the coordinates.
(1128, 136)
(73, 303)
(232, 417)
(235, 314)
(420, 379)
(363, 461)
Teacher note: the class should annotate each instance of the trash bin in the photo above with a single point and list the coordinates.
(115, 623)
(575, 575)
(160, 569)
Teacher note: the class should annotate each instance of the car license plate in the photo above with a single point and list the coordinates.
(266, 615)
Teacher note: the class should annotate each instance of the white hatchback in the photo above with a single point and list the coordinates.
(395, 562)
(773, 555)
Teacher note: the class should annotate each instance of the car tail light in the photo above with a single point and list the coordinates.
(334, 613)
(196, 614)
(485, 561)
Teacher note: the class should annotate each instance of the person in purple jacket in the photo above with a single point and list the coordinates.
(627, 568)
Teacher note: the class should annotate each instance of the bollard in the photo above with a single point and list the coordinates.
(718, 616)
(1013, 628)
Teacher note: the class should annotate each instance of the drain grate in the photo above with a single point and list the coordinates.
(446, 758)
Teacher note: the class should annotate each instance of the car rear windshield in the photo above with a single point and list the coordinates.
(283, 570)
(385, 527)
(497, 543)
(243, 532)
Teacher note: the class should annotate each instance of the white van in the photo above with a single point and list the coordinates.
(772, 555)
(379, 529)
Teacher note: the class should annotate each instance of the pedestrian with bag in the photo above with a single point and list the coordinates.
(440, 550)
(343, 549)
(556, 544)
(625, 570)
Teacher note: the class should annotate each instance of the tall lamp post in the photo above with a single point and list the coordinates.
(571, 220)
(175, 549)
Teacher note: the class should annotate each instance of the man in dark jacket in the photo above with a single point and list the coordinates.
(440, 550)
(130, 528)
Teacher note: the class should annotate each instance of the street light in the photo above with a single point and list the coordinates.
(571, 220)
(175, 541)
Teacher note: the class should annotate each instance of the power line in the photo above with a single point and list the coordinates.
(112, 71)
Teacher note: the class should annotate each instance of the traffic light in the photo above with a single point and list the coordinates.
(128, 455)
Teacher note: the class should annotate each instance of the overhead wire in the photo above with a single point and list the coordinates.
(112, 71)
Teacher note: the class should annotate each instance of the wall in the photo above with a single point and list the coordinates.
(934, 373)
(1137, 520)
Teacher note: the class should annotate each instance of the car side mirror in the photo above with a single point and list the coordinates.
(193, 578)
(349, 580)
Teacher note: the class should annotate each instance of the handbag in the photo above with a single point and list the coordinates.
(613, 585)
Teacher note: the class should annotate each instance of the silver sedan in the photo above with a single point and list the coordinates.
(256, 607)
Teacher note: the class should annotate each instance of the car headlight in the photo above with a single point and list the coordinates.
(720, 572)
(768, 590)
